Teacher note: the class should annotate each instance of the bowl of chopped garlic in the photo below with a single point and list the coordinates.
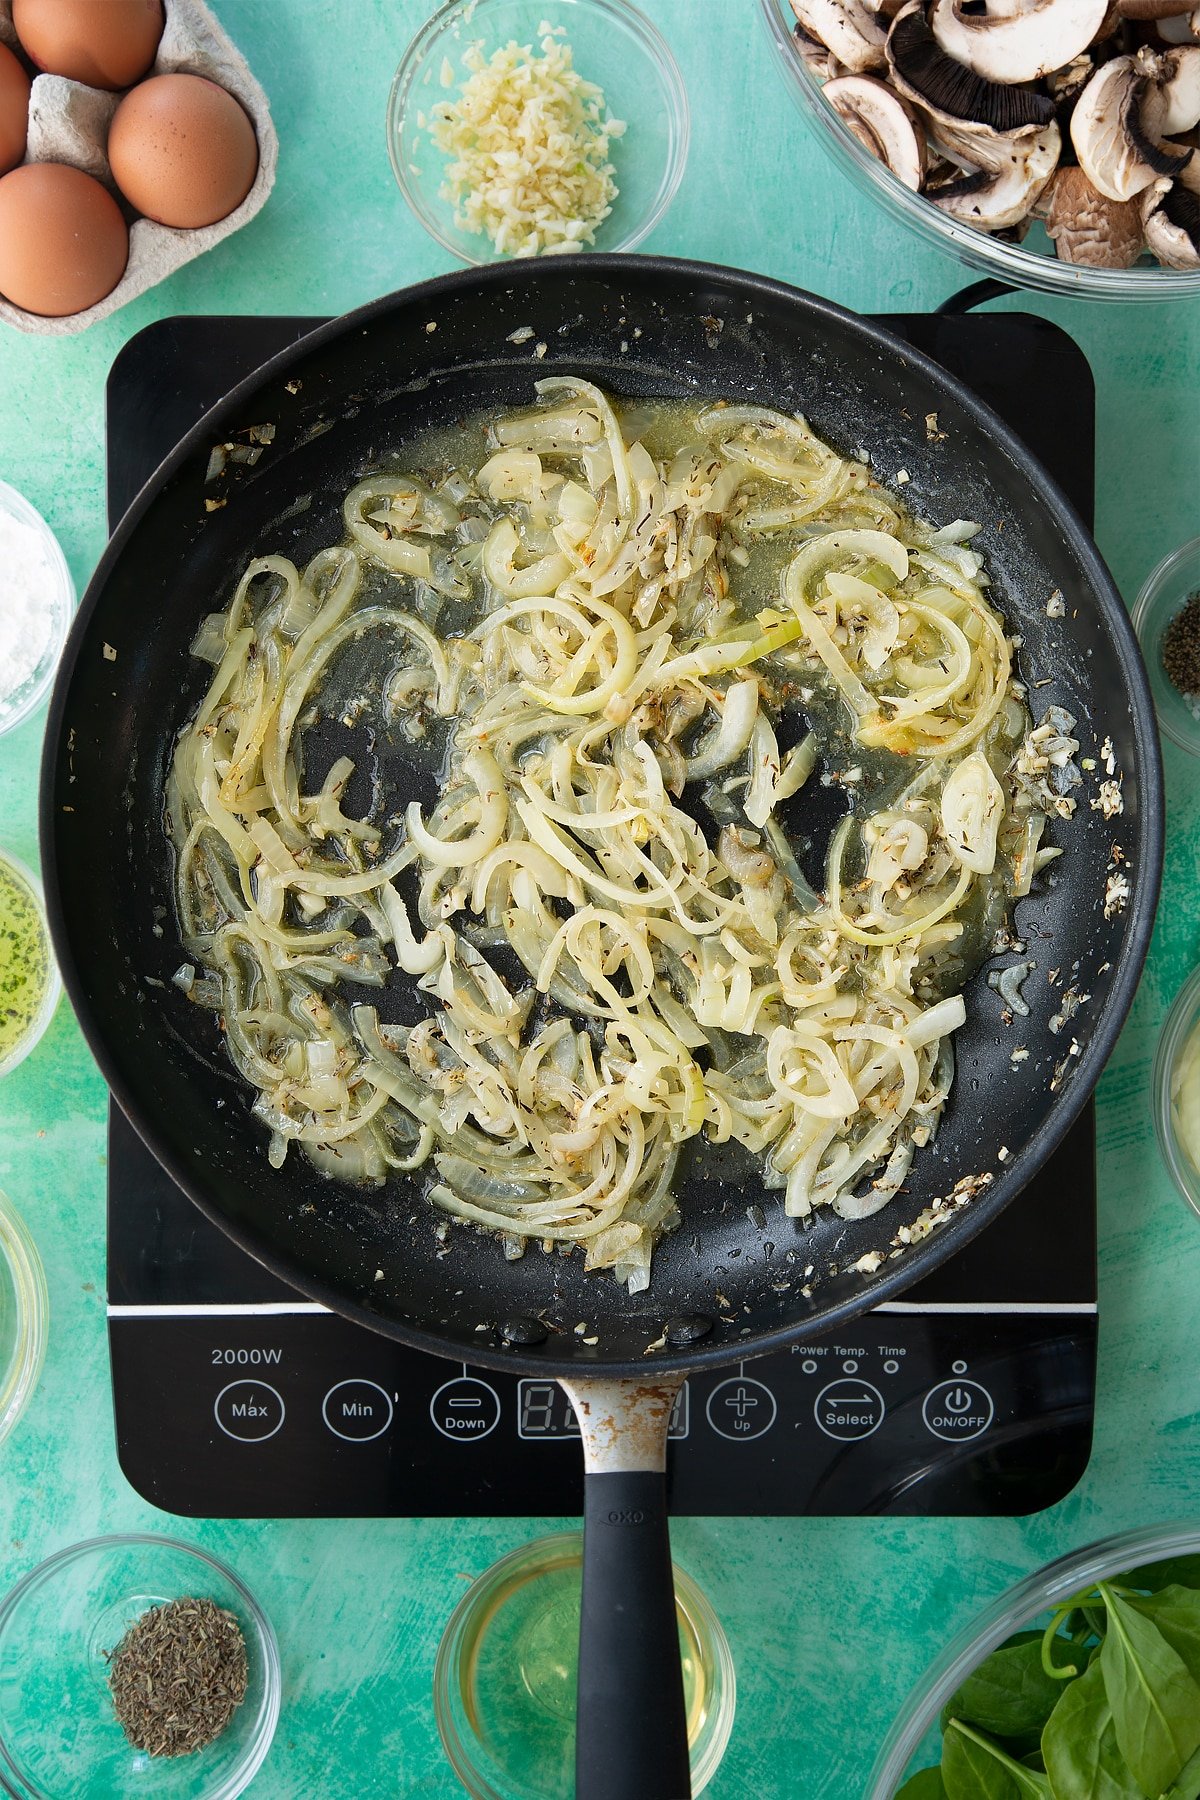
(521, 129)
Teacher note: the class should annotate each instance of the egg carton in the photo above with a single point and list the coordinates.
(68, 123)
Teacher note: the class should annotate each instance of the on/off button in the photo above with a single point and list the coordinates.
(957, 1411)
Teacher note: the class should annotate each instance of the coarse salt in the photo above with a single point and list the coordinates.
(30, 583)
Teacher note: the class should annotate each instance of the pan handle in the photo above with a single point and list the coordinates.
(631, 1722)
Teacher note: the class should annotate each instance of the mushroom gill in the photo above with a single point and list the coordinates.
(923, 72)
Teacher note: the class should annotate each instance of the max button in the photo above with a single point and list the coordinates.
(957, 1411)
(465, 1409)
(249, 1410)
(357, 1411)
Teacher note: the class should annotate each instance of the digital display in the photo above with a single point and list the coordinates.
(543, 1411)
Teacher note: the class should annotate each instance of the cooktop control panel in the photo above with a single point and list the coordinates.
(278, 1415)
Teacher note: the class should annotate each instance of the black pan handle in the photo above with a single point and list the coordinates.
(977, 294)
(631, 1722)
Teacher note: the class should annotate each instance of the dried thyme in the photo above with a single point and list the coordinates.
(178, 1676)
(1181, 648)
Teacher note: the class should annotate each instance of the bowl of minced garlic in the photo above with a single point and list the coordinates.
(1166, 617)
(520, 130)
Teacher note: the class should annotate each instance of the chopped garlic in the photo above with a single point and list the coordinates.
(529, 142)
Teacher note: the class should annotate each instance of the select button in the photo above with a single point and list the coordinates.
(357, 1411)
(849, 1410)
(250, 1410)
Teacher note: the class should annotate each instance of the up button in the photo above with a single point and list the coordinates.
(957, 1411)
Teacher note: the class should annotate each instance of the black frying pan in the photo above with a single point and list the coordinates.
(725, 1286)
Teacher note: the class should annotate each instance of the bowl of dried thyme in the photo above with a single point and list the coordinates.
(134, 1665)
(1166, 617)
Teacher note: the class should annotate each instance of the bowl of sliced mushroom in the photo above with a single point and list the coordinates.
(1054, 143)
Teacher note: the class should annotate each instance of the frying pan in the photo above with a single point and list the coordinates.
(738, 1279)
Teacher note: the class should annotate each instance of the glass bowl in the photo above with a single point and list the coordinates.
(613, 45)
(60, 604)
(1032, 264)
(30, 984)
(24, 1312)
(59, 1736)
(1163, 593)
(504, 1681)
(914, 1740)
(1176, 1070)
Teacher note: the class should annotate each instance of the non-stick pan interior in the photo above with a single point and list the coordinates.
(351, 397)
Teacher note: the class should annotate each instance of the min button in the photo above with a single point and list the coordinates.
(357, 1411)
(958, 1410)
(250, 1410)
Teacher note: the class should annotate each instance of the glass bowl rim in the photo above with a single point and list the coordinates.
(656, 46)
(1151, 591)
(19, 1380)
(54, 987)
(448, 1658)
(1182, 1019)
(254, 1754)
(1024, 1600)
(1007, 262)
(63, 605)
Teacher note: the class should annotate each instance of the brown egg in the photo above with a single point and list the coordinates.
(14, 110)
(107, 43)
(63, 242)
(182, 150)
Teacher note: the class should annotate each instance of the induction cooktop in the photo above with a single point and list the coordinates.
(234, 1397)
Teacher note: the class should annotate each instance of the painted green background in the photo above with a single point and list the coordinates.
(830, 1621)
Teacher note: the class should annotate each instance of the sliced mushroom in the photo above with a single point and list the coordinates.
(1182, 28)
(1171, 219)
(1015, 40)
(821, 62)
(1087, 228)
(1173, 103)
(1005, 173)
(849, 29)
(923, 73)
(1114, 127)
(883, 122)
(1152, 10)
(1066, 84)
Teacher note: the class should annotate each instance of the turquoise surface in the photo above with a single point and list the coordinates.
(830, 1621)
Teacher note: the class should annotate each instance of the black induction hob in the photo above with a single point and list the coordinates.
(235, 1398)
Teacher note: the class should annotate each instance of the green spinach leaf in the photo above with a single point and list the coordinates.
(973, 1768)
(1184, 1570)
(927, 1785)
(1187, 1787)
(1155, 1703)
(1010, 1692)
(1080, 1747)
(1176, 1612)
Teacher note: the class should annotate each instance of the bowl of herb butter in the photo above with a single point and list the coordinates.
(134, 1665)
(1083, 1680)
(30, 986)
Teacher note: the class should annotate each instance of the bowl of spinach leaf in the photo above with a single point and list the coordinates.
(1081, 1683)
